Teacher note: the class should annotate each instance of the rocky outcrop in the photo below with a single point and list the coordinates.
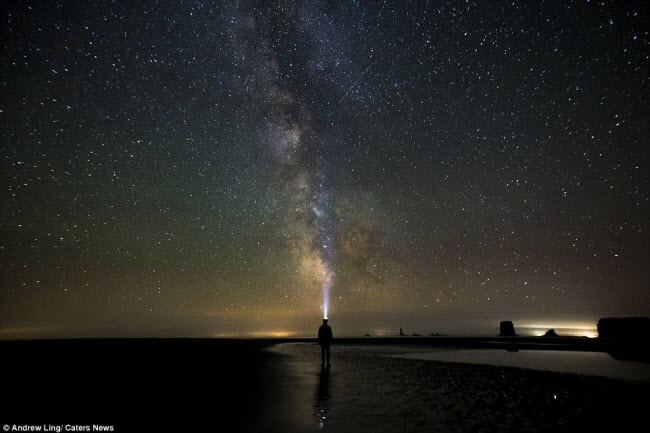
(507, 329)
(550, 333)
(624, 328)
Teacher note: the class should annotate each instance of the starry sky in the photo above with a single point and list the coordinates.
(216, 169)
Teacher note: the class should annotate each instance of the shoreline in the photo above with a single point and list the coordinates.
(631, 346)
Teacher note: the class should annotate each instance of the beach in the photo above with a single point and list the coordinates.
(267, 385)
(372, 388)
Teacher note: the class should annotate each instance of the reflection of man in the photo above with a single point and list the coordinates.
(325, 340)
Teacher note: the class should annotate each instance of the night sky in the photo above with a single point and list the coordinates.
(197, 169)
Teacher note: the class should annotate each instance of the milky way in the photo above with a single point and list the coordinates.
(236, 168)
(288, 123)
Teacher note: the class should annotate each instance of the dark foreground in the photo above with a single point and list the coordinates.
(258, 385)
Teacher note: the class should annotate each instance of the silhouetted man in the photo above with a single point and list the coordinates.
(325, 339)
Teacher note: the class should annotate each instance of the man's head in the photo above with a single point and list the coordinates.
(324, 321)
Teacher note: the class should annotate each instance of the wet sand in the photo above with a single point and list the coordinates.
(373, 388)
(257, 385)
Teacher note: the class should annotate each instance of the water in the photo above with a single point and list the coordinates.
(398, 389)
(587, 363)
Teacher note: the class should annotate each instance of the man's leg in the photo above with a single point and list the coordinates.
(322, 355)
(328, 355)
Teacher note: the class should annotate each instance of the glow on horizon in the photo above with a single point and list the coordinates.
(569, 329)
(257, 334)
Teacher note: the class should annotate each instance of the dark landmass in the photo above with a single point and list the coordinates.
(507, 329)
(551, 333)
(625, 328)
(136, 384)
(183, 384)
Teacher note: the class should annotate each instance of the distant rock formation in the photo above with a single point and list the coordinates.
(550, 333)
(507, 329)
(435, 334)
(624, 328)
(401, 334)
(367, 335)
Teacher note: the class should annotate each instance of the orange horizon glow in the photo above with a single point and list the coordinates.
(569, 329)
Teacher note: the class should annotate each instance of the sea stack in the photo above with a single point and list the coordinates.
(550, 333)
(625, 328)
(507, 329)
